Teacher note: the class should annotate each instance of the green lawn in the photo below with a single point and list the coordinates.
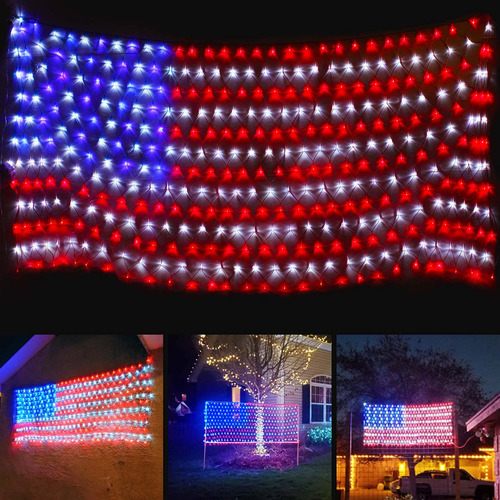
(308, 481)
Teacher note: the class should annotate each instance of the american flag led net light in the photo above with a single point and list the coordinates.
(238, 423)
(408, 426)
(254, 168)
(109, 407)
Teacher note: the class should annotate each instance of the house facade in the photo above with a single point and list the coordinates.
(367, 471)
(114, 467)
(314, 398)
(486, 423)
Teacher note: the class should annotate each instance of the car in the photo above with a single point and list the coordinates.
(437, 483)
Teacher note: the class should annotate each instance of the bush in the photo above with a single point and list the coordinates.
(319, 436)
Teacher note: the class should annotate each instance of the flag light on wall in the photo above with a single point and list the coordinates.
(254, 168)
(103, 408)
(250, 423)
(388, 425)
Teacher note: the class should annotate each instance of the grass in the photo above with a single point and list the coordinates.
(311, 480)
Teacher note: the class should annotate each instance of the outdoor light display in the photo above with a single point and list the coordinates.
(108, 407)
(250, 423)
(408, 425)
(254, 168)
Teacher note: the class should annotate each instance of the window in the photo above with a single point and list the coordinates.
(321, 399)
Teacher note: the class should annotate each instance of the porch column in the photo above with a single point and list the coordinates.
(496, 445)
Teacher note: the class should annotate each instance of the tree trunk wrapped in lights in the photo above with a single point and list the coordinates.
(260, 449)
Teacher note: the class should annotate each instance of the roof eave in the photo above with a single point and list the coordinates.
(21, 357)
(38, 342)
(487, 414)
(151, 342)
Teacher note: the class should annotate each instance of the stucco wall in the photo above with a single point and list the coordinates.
(82, 472)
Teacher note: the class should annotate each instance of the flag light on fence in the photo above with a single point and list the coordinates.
(250, 423)
(254, 168)
(408, 426)
(114, 406)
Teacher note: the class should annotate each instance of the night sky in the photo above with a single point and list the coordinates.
(10, 344)
(181, 355)
(481, 352)
(88, 302)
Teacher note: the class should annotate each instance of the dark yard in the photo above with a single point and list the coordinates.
(231, 474)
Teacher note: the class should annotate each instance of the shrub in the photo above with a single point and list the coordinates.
(319, 436)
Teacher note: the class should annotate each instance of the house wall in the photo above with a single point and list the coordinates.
(321, 364)
(82, 472)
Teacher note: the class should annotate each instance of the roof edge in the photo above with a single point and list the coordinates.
(151, 342)
(486, 411)
(21, 357)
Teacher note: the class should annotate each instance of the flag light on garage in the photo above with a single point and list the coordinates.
(254, 168)
(109, 407)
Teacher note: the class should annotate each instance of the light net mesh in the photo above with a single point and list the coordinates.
(254, 168)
